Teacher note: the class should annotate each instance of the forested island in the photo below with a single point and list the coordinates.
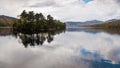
(30, 22)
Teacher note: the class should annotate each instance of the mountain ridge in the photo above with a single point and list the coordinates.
(114, 23)
(6, 20)
(77, 24)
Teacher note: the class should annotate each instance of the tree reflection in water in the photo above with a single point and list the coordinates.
(38, 38)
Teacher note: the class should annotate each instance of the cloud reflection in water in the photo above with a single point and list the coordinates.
(69, 50)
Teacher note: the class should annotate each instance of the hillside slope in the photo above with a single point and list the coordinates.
(6, 20)
(108, 24)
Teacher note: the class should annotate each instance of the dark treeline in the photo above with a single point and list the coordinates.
(33, 23)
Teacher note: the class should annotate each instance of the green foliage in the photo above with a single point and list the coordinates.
(31, 22)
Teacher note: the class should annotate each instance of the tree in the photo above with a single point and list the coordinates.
(49, 17)
(50, 21)
(23, 15)
(41, 16)
(31, 16)
(37, 17)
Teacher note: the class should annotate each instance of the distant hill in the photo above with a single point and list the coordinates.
(114, 23)
(6, 20)
(110, 26)
(77, 24)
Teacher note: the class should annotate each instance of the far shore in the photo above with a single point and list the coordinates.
(5, 27)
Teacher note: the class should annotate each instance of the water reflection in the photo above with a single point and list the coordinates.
(37, 39)
(94, 30)
(73, 49)
(111, 31)
(5, 31)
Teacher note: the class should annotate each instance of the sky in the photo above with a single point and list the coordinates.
(86, 1)
(65, 10)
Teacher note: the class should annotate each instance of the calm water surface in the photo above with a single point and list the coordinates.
(75, 48)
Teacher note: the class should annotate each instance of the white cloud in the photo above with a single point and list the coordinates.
(65, 10)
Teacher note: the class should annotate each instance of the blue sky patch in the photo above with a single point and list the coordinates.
(86, 1)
